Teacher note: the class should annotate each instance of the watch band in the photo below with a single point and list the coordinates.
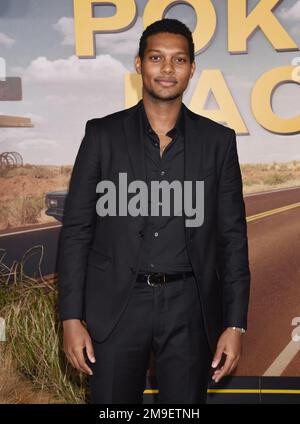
(239, 329)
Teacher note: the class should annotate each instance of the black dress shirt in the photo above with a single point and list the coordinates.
(164, 245)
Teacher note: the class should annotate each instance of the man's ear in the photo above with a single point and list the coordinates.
(138, 64)
(193, 70)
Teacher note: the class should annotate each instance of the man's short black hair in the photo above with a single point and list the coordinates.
(172, 26)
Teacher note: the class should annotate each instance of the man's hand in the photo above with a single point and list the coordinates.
(76, 338)
(230, 343)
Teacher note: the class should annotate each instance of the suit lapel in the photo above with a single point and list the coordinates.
(193, 154)
(135, 146)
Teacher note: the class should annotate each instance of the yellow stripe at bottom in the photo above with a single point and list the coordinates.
(241, 391)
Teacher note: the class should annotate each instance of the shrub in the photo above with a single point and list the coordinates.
(34, 340)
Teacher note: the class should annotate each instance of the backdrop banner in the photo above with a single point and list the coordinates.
(65, 62)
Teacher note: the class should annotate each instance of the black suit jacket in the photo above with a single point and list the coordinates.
(98, 256)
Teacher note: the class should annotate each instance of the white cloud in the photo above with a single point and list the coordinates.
(292, 13)
(35, 118)
(36, 143)
(5, 40)
(118, 43)
(59, 100)
(73, 69)
(65, 26)
(113, 43)
(29, 142)
(67, 92)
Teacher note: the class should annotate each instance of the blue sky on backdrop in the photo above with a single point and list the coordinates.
(61, 92)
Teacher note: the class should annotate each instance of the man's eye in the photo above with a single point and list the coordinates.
(154, 57)
(180, 59)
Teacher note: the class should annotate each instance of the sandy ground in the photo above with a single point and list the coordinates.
(15, 389)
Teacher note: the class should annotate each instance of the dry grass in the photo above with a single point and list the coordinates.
(34, 366)
(263, 177)
(16, 389)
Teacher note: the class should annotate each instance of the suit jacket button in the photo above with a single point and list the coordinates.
(141, 233)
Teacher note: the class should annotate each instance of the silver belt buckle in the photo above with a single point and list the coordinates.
(153, 284)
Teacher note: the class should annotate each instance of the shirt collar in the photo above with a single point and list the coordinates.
(178, 128)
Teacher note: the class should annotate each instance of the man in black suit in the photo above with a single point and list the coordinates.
(132, 283)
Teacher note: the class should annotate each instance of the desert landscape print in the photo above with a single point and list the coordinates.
(23, 189)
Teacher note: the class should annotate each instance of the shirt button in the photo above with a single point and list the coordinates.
(156, 234)
(152, 265)
(162, 172)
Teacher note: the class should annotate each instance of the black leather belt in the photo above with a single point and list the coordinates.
(159, 278)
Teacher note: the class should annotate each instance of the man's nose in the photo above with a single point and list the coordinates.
(168, 67)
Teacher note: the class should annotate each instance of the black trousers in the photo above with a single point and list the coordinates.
(167, 320)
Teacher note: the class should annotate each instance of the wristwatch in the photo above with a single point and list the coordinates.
(241, 330)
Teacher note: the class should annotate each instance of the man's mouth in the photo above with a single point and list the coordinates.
(166, 83)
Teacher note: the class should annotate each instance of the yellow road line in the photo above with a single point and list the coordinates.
(272, 212)
(241, 391)
(286, 392)
(256, 391)
(233, 391)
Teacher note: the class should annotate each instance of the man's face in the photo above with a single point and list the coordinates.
(166, 68)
